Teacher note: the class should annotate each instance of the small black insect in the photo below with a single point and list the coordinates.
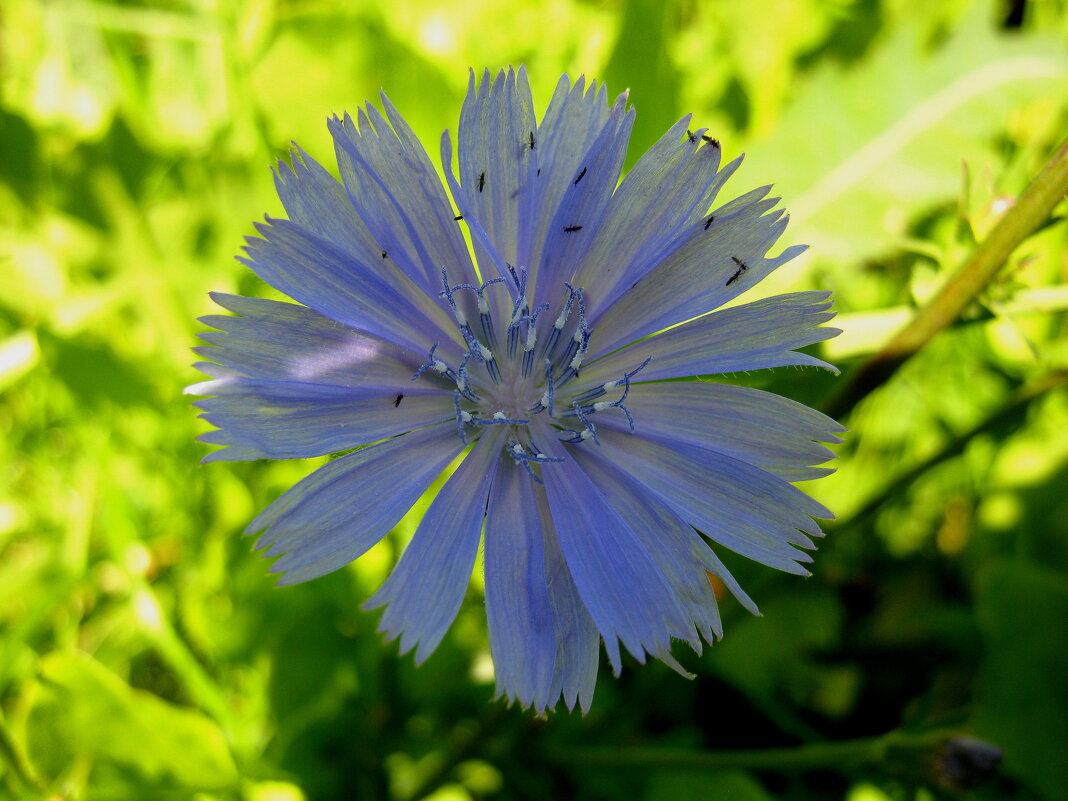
(384, 254)
(458, 217)
(571, 228)
(531, 140)
(539, 170)
(742, 267)
(690, 136)
(712, 141)
(481, 181)
(580, 175)
(397, 400)
(709, 221)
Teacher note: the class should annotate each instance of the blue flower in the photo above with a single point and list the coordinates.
(541, 363)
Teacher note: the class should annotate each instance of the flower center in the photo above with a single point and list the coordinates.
(527, 378)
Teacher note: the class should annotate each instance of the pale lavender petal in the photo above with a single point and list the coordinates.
(733, 503)
(315, 200)
(497, 139)
(543, 641)
(423, 593)
(679, 552)
(665, 194)
(763, 429)
(287, 342)
(334, 515)
(296, 420)
(396, 190)
(380, 300)
(761, 334)
(709, 268)
(573, 226)
(621, 585)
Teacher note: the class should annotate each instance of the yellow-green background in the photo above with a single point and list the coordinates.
(144, 653)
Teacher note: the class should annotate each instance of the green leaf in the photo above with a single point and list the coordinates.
(1022, 696)
(82, 713)
(864, 148)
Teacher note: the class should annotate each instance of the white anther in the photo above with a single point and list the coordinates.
(466, 416)
(610, 386)
(483, 305)
(532, 337)
(576, 361)
(578, 335)
(545, 400)
(440, 366)
(461, 382)
(500, 416)
(560, 321)
(585, 435)
(461, 318)
(601, 406)
(485, 352)
(517, 449)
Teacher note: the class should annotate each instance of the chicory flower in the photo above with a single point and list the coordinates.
(547, 361)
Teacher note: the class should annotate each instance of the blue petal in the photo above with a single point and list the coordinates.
(316, 200)
(621, 585)
(543, 641)
(567, 136)
(587, 193)
(577, 638)
(498, 166)
(396, 190)
(702, 273)
(380, 300)
(679, 552)
(334, 515)
(424, 592)
(733, 503)
(287, 342)
(666, 192)
(763, 429)
(296, 420)
(750, 337)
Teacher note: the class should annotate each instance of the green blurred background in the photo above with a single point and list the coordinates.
(144, 653)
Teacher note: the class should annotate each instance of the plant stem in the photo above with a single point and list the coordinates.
(1017, 404)
(888, 748)
(1031, 209)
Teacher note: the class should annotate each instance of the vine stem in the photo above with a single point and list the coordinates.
(1032, 208)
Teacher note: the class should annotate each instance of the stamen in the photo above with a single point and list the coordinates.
(500, 418)
(462, 417)
(483, 306)
(519, 453)
(457, 312)
(582, 332)
(532, 338)
(461, 376)
(618, 404)
(561, 321)
(550, 390)
(627, 376)
(435, 364)
(519, 309)
(591, 430)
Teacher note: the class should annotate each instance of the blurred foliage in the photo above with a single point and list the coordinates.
(143, 652)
